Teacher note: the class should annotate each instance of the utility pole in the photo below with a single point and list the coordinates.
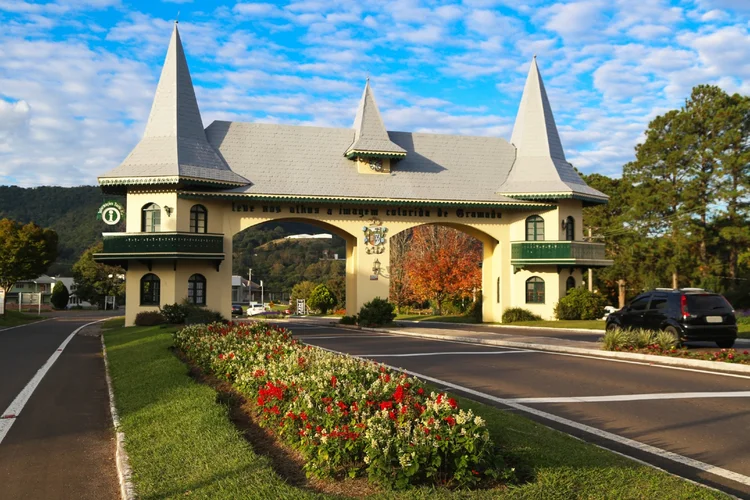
(250, 285)
(621, 293)
(261, 295)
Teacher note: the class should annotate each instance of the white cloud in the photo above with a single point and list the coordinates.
(576, 20)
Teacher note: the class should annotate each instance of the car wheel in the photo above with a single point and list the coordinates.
(675, 333)
(725, 344)
(611, 327)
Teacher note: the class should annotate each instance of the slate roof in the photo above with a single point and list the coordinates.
(174, 146)
(370, 135)
(288, 160)
(540, 167)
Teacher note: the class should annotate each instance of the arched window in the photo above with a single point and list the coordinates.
(570, 228)
(151, 218)
(197, 290)
(535, 290)
(534, 228)
(570, 283)
(150, 290)
(198, 219)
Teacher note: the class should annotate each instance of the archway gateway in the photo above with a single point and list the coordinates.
(189, 190)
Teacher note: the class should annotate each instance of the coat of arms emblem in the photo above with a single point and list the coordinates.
(375, 236)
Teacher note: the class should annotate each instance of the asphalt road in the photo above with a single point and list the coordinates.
(700, 416)
(61, 444)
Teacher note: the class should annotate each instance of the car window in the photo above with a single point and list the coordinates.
(707, 303)
(658, 303)
(640, 303)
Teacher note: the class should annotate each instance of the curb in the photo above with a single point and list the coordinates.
(124, 473)
(715, 366)
(519, 327)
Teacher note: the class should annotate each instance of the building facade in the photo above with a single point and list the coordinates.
(190, 190)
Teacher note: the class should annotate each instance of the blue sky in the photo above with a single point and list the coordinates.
(77, 76)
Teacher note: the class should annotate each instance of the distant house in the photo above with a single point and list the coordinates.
(320, 236)
(242, 293)
(44, 285)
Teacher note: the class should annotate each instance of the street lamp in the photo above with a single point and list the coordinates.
(261, 295)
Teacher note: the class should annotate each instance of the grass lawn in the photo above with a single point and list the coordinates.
(593, 324)
(445, 319)
(181, 442)
(744, 331)
(15, 318)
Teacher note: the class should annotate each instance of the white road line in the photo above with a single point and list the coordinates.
(313, 336)
(448, 353)
(9, 416)
(635, 397)
(25, 324)
(690, 462)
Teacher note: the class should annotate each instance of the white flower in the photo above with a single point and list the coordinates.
(478, 421)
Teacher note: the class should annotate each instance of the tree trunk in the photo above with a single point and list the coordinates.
(675, 280)
(621, 293)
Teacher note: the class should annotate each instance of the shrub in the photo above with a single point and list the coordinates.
(301, 291)
(174, 314)
(321, 299)
(346, 416)
(579, 303)
(614, 339)
(640, 338)
(349, 320)
(198, 315)
(377, 312)
(665, 340)
(516, 314)
(60, 296)
(149, 318)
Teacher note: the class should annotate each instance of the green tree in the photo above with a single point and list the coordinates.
(60, 295)
(301, 291)
(322, 299)
(94, 280)
(26, 251)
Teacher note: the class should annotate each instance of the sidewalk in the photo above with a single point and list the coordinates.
(551, 344)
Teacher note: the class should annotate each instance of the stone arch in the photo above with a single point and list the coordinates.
(492, 269)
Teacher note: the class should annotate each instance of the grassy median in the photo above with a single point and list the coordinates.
(15, 318)
(181, 442)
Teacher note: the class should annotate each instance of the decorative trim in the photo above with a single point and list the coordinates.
(362, 201)
(170, 179)
(556, 196)
(382, 154)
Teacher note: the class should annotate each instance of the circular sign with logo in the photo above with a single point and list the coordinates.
(111, 213)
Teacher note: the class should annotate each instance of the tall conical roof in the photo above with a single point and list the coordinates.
(540, 169)
(174, 146)
(370, 135)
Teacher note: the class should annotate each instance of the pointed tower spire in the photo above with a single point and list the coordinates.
(174, 148)
(370, 136)
(540, 169)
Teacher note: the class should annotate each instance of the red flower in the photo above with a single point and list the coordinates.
(333, 381)
(221, 356)
(386, 405)
(370, 403)
(420, 391)
(231, 355)
(341, 405)
(451, 421)
(427, 430)
(275, 409)
(392, 415)
(453, 403)
(399, 394)
(303, 415)
(439, 399)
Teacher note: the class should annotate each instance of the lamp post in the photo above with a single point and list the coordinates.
(261, 295)
(250, 285)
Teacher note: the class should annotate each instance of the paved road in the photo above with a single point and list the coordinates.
(627, 400)
(61, 444)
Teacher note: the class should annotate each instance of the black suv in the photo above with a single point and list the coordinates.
(687, 313)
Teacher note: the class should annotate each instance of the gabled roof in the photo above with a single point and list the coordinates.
(540, 169)
(370, 135)
(174, 148)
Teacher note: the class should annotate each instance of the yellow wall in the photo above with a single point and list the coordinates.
(229, 217)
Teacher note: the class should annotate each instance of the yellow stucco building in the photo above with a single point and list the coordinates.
(190, 190)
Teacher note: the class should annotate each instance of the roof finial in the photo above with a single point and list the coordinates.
(534, 56)
(177, 18)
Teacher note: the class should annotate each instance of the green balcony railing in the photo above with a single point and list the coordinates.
(163, 243)
(555, 252)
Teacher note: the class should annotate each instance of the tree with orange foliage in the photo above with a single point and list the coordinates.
(443, 263)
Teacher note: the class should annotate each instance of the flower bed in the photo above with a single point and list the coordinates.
(725, 355)
(345, 415)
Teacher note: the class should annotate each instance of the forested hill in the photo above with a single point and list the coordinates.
(71, 212)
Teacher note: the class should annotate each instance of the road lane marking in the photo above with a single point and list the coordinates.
(668, 455)
(11, 413)
(313, 336)
(635, 397)
(448, 353)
